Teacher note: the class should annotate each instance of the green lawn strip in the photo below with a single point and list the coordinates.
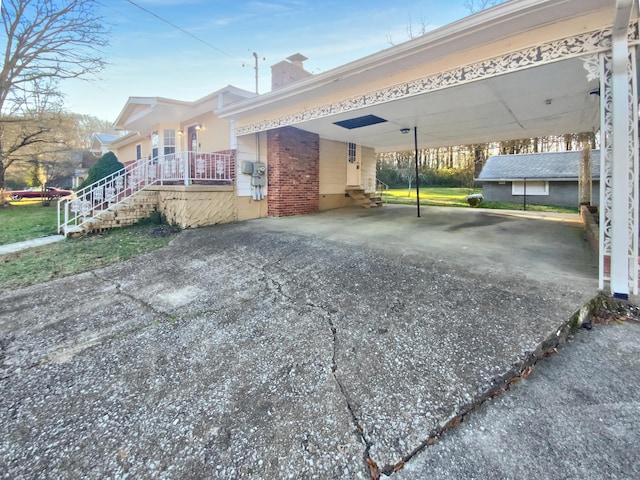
(457, 197)
(433, 196)
(531, 208)
(26, 220)
(82, 254)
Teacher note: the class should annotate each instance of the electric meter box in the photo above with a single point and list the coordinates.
(259, 175)
(259, 169)
(247, 168)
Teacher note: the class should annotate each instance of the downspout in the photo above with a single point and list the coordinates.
(620, 150)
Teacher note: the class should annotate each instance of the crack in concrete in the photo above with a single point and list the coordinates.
(371, 464)
(374, 470)
(326, 313)
(142, 302)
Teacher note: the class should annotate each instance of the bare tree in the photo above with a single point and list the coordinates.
(47, 41)
(424, 25)
(475, 6)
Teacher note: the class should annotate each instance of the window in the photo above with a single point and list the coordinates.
(352, 153)
(169, 141)
(138, 152)
(533, 188)
(154, 146)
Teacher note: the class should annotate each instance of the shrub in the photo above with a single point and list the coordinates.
(104, 167)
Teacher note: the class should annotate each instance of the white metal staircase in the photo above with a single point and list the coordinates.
(100, 202)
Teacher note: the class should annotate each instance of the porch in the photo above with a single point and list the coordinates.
(178, 185)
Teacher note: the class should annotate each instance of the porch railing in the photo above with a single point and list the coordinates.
(183, 168)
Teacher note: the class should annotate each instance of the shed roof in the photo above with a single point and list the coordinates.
(547, 166)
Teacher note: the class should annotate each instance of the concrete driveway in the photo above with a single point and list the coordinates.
(325, 346)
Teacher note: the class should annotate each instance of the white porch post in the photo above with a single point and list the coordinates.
(619, 179)
(187, 173)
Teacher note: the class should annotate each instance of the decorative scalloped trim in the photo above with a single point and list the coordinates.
(570, 47)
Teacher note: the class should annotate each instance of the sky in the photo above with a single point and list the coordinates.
(148, 57)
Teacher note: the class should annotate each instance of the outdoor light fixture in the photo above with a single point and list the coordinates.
(405, 130)
(198, 127)
(180, 132)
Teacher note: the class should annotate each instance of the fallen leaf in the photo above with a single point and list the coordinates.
(373, 469)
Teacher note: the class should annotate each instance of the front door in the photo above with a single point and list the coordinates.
(354, 171)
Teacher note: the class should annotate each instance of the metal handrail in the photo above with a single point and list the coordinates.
(381, 187)
(184, 168)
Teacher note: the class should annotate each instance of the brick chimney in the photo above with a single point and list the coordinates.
(285, 73)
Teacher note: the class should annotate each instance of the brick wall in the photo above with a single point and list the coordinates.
(294, 172)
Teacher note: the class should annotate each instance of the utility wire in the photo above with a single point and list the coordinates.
(178, 28)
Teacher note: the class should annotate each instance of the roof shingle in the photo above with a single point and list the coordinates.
(547, 166)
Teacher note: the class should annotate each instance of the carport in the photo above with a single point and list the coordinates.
(522, 69)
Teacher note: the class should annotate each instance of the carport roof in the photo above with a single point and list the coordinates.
(544, 166)
(532, 99)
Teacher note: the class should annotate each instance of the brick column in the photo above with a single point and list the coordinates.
(293, 172)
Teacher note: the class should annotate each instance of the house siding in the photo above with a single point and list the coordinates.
(293, 172)
(564, 194)
(333, 175)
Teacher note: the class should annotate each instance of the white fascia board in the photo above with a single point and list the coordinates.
(494, 23)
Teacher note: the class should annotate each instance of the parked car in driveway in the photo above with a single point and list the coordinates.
(48, 193)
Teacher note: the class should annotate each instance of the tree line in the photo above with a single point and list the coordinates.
(458, 166)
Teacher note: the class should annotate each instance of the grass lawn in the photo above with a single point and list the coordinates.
(457, 197)
(76, 255)
(435, 196)
(27, 219)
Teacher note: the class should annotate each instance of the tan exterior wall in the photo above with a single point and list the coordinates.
(127, 153)
(197, 205)
(338, 200)
(333, 167)
(214, 136)
(333, 173)
(249, 209)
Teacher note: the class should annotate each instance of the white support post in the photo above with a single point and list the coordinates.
(620, 171)
(187, 173)
(623, 158)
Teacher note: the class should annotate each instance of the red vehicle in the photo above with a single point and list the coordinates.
(48, 193)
